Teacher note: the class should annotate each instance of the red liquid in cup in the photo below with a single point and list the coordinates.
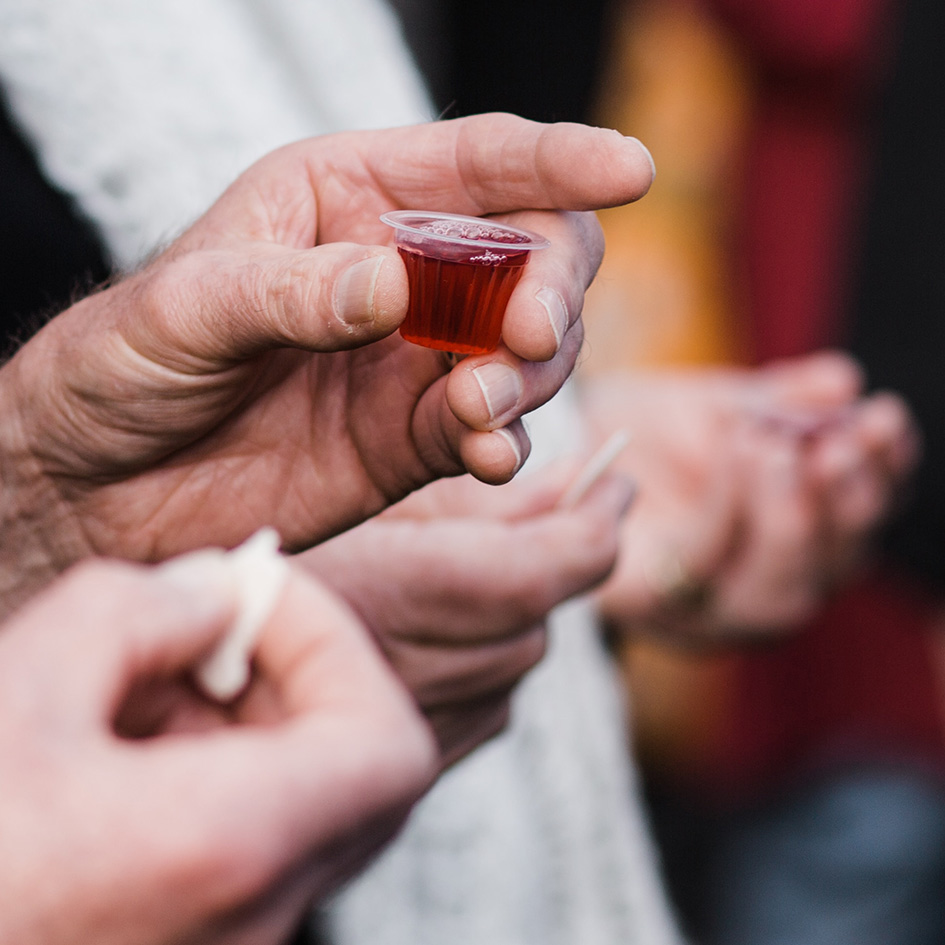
(457, 304)
(462, 271)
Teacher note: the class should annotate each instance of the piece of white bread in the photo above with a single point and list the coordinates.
(259, 574)
(593, 469)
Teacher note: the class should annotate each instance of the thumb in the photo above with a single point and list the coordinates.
(106, 625)
(221, 306)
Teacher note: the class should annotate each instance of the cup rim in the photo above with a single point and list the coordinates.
(407, 220)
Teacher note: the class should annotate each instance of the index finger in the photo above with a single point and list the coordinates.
(333, 188)
(499, 163)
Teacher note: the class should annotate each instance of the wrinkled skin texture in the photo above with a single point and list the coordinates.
(135, 812)
(456, 582)
(249, 375)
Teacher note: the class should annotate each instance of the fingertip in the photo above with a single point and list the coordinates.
(645, 152)
(538, 335)
(885, 414)
(635, 169)
(825, 378)
(840, 370)
(890, 429)
(495, 457)
(492, 399)
(616, 169)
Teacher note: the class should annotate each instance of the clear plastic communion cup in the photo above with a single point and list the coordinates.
(461, 272)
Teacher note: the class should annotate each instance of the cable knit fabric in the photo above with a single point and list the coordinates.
(537, 838)
(146, 111)
(143, 111)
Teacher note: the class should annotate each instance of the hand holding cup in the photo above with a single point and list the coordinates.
(250, 376)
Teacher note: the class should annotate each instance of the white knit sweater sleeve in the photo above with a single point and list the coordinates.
(144, 111)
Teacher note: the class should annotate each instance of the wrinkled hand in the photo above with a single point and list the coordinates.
(759, 492)
(119, 833)
(231, 383)
(456, 582)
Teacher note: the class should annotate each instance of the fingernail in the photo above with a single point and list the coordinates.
(202, 578)
(513, 442)
(501, 387)
(646, 151)
(557, 311)
(353, 299)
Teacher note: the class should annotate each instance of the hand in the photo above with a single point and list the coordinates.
(759, 491)
(231, 383)
(135, 812)
(456, 581)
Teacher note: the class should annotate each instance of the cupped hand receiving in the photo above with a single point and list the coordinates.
(759, 492)
(136, 812)
(456, 582)
(247, 376)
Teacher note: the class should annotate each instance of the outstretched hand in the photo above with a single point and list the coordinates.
(248, 375)
(759, 492)
(456, 582)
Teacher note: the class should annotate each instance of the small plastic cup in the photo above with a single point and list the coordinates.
(461, 272)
